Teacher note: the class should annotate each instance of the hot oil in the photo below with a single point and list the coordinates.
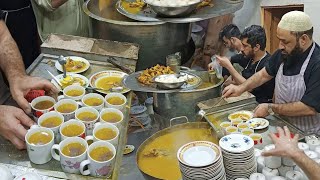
(87, 116)
(105, 134)
(73, 149)
(111, 117)
(66, 108)
(93, 101)
(115, 100)
(74, 92)
(167, 166)
(101, 154)
(72, 130)
(51, 122)
(108, 82)
(40, 138)
(43, 105)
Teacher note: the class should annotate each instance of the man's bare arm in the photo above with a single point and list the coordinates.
(293, 109)
(256, 80)
(10, 58)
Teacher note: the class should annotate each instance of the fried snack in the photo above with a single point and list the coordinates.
(73, 65)
(137, 4)
(205, 3)
(72, 81)
(147, 75)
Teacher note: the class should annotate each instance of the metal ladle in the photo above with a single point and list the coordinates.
(62, 61)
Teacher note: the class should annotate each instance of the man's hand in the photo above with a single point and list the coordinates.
(261, 110)
(285, 145)
(20, 86)
(232, 91)
(224, 62)
(12, 120)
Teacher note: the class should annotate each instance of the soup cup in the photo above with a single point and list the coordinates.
(68, 103)
(76, 89)
(55, 127)
(89, 96)
(98, 168)
(39, 154)
(121, 106)
(69, 164)
(117, 112)
(100, 126)
(88, 123)
(81, 132)
(37, 112)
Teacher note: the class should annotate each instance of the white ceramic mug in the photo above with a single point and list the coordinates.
(257, 176)
(98, 168)
(76, 122)
(272, 162)
(39, 154)
(223, 127)
(284, 169)
(69, 164)
(294, 175)
(98, 126)
(74, 87)
(313, 143)
(269, 173)
(38, 112)
(93, 95)
(106, 110)
(121, 107)
(70, 115)
(89, 124)
(55, 130)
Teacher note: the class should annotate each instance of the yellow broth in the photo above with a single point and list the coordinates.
(93, 101)
(66, 108)
(40, 138)
(105, 134)
(111, 117)
(101, 154)
(109, 82)
(72, 130)
(87, 116)
(73, 149)
(43, 105)
(165, 165)
(51, 122)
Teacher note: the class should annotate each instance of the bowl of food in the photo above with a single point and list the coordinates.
(170, 81)
(170, 8)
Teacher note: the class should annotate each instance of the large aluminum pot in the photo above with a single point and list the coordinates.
(178, 135)
(156, 39)
(171, 105)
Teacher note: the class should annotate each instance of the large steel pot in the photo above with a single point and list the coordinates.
(171, 105)
(185, 129)
(157, 39)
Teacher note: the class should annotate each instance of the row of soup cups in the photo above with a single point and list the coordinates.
(81, 160)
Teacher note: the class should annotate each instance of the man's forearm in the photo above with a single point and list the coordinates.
(10, 58)
(237, 77)
(293, 109)
(309, 167)
(256, 80)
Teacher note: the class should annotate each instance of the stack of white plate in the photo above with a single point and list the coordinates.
(201, 160)
(238, 156)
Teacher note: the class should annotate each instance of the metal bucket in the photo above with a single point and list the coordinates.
(157, 39)
(171, 105)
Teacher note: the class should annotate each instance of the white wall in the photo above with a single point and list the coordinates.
(250, 13)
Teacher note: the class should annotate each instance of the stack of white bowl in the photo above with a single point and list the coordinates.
(201, 160)
(238, 156)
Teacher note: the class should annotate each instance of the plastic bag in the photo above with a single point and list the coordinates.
(216, 66)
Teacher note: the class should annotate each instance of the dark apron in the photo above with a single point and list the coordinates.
(4, 90)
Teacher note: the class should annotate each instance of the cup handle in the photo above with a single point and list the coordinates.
(83, 164)
(89, 138)
(60, 97)
(34, 126)
(55, 148)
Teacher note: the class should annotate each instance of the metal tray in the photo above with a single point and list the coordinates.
(221, 7)
(132, 83)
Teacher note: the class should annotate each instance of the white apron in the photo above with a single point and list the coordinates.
(290, 89)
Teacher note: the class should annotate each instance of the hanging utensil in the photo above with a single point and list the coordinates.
(62, 62)
(112, 61)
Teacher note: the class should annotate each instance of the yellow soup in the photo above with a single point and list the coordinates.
(93, 101)
(73, 149)
(115, 100)
(40, 138)
(74, 92)
(72, 130)
(87, 116)
(51, 122)
(247, 133)
(101, 154)
(111, 117)
(240, 116)
(109, 82)
(66, 108)
(43, 105)
(105, 134)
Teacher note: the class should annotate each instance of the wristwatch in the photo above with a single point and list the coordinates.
(270, 109)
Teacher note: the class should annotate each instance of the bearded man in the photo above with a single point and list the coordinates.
(296, 68)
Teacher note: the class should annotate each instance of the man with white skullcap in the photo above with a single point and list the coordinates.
(296, 67)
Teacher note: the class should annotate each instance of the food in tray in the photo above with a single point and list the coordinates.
(205, 3)
(241, 115)
(69, 80)
(108, 82)
(147, 75)
(74, 65)
(258, 123)
(170, 3)
(173, 78)
(156, 153)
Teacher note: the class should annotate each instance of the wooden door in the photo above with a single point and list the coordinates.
(270, 18)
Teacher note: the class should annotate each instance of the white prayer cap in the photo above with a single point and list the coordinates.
(296, 21)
